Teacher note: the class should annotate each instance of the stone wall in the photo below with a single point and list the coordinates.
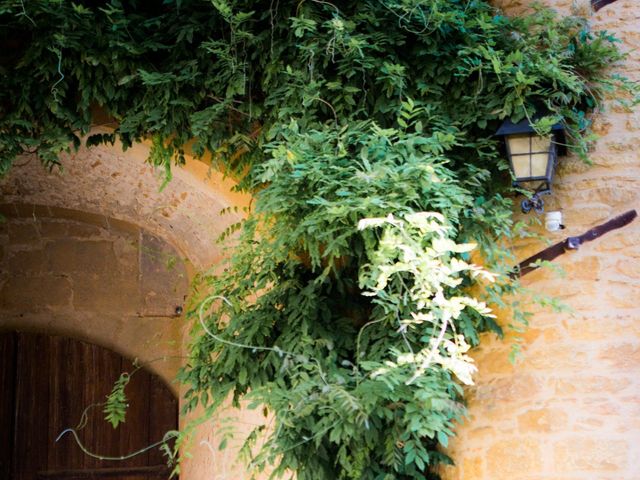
(105, 180)
(94, 278)
(92, 260)
(570, 408)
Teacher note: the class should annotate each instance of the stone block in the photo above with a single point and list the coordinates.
(70, 255)
(508, 459)
(610, 190)
(592, 326)
(8, 210)
(577, 294)
(106, 292)
(572, 164)
(622, 356)
(122, 226)
(126, 251)
(473, 468)
(623, 295)
(543, 420)
(94, 256)
(579, 454)
(53, 228)
(29, 294)
(557, 358)
(61, 255)
(627, 238)
(494, 362)
(84, 230)
(601, 407)
(30, 211)
(23, 232)
(585, 268)
(590, 385)
(629, 268)
(26, 261)
(515, 388)
(163, 277)
(79, 216)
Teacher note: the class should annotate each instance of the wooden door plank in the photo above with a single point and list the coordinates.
(134, 433)
(66, 402)
(7, 400)
(31, 443)
(163, 416)
(104, 366)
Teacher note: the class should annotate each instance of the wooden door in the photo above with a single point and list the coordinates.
(47, 383)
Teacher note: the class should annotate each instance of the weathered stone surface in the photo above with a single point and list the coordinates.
(515, 388)
(105, 293)
(590, 455)
(83, 230)
(508, 458)
(81, 256)
(103, 186)
(84, 268)
(551, 357)
(20, 293)
(473, 467)
(53, 228)
(163, 277)
(622, 294)
(23, 233)
(623, 356)
(26, 261)
(543, 420)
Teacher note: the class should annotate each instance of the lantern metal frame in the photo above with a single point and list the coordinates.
(556, 148)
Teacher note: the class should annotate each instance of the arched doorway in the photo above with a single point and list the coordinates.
(46, 382)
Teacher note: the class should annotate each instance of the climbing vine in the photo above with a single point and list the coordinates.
(364, 130)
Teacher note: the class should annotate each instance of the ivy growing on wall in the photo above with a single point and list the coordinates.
(364, 130)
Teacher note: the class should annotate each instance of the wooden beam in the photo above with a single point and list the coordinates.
(598, 4)
(572, 243)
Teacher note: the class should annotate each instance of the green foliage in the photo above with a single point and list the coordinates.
(115, 408)
(364, 129)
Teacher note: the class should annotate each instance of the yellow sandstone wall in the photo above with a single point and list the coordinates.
(570, 409)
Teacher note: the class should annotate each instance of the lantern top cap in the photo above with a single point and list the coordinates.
(523, 126)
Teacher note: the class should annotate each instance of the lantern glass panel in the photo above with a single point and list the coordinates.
(529, 155)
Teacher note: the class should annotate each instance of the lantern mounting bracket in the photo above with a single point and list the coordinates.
(535, 203)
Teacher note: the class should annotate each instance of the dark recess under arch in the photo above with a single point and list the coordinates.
(46, 382)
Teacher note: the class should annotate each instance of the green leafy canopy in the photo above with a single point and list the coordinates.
(364, 129)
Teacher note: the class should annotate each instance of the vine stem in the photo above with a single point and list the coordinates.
(369, 324)
(277, 350)
(25, 14)
(53, 87)
(72, 431)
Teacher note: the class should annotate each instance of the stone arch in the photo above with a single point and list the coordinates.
(94, 278)
(114, 197)
(119, 185)
(106, 192)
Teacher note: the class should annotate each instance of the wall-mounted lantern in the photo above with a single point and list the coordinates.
(532, 158)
